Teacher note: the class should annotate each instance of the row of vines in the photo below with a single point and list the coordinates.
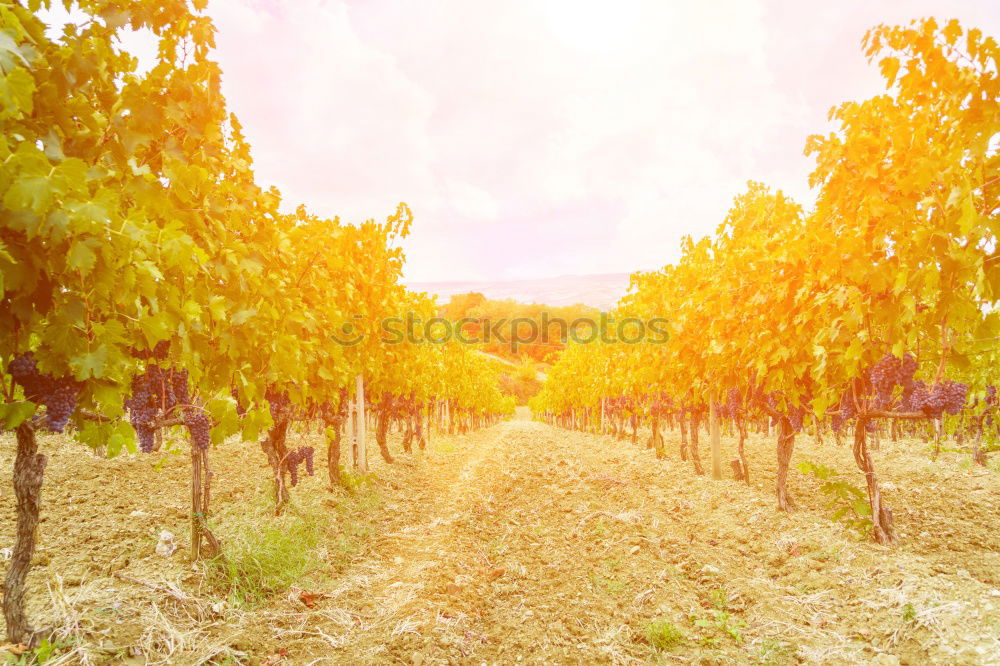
(873, 311)
(148, 282)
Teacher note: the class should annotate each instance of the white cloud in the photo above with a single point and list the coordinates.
(537, 138)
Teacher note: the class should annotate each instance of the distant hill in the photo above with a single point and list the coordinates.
(599, 291)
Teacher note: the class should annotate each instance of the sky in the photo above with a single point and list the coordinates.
(545, 137)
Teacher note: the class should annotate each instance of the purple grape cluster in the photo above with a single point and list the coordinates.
(198, 427)
(153, 394)
(733, 405)
(845, 412)
(295, 457)
(279, 404)
(241, 409)
(59, 395)
(884, 377)
(797, 416)
(944, 397)
(914, 397)
(734, 401)
(307, 454)
(179, 384)
(889, 373)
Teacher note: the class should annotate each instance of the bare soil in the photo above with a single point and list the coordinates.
(527, 543)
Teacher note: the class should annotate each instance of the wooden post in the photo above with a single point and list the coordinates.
(352, 426)
(361, 445)
(426, 413)
(716, 441)
(195, 502)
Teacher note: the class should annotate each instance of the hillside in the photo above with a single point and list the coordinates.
(599, 290)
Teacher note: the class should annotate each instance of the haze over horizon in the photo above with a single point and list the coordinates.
(600, 291)
(537, 139)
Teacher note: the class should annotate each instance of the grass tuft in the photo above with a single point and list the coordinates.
(268, 557)
(663, 635)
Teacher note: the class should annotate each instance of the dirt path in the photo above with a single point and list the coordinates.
(528, 543)
(525, 542)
